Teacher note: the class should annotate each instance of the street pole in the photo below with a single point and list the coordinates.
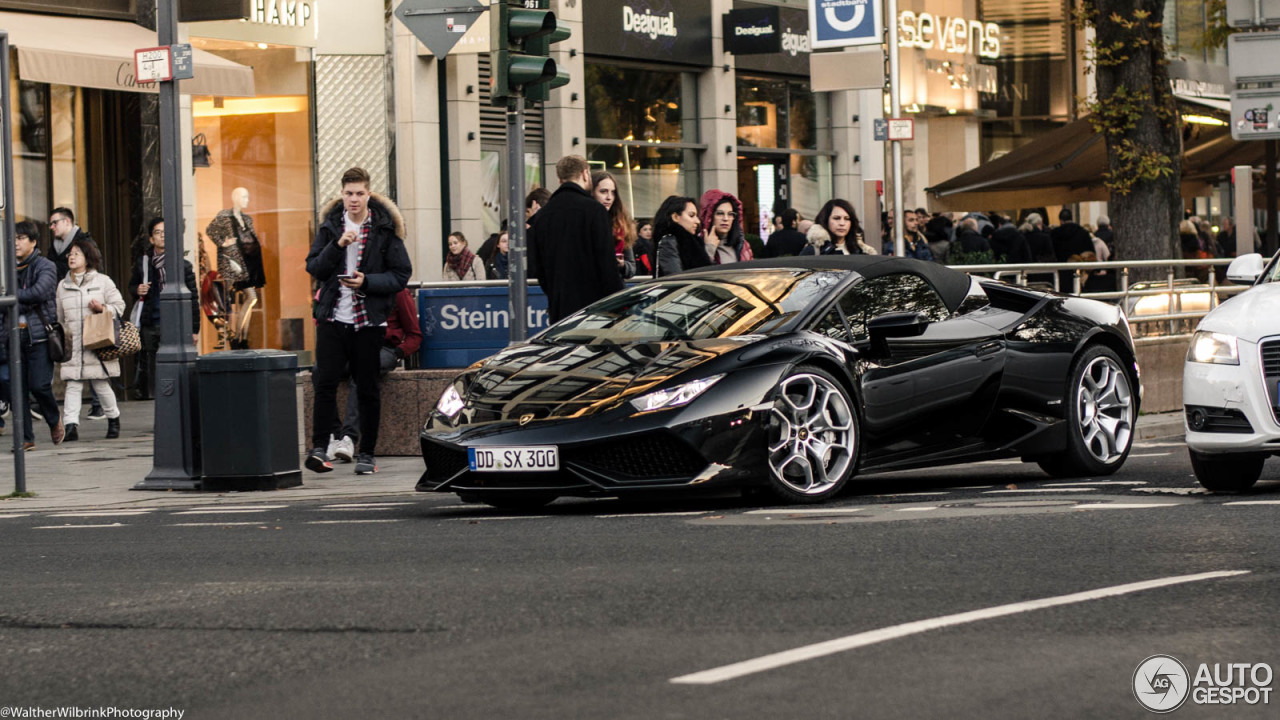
(9, 301)
(518, 288)
(176, 464)
(895, 110)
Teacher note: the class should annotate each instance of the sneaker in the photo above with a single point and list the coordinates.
(57, 433)
(95, 413)
(343, 449)
(72, 433)
(318, 461)
(4, 408)
(365, 464)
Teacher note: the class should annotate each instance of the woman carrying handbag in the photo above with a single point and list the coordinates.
(84, 293)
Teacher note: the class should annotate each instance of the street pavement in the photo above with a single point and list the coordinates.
(899, 600)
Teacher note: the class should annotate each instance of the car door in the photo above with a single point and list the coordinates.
(928, 392)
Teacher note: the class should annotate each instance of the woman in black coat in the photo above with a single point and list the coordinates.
(679, 246)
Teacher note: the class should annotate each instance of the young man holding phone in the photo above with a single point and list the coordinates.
(360, 263)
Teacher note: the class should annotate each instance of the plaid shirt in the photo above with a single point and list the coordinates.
(357, 298)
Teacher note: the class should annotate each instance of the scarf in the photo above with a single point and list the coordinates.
(461, 263)
(157, 261)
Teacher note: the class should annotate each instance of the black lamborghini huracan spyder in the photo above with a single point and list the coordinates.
(791, 375)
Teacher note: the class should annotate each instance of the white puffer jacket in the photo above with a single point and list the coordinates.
(73, 308)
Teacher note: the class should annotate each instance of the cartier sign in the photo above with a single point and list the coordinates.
(949, 34)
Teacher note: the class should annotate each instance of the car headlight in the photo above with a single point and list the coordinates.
(1211, 347)
(676, 396)
(450, 403)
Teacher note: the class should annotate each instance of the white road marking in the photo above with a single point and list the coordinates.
(1000, 462)
(503, 517)
(67, 527)
(1163, 454)
(354, 522)
(1253, 502)
(916, 509)
(353, 506)
(230, 510)
(915, 494)
(1152, 444)
(1040, 490)
(805, 511)
(217, 524)
(654, 514)
(1123, 506)
(14, 515)
(973, 487)
(352, 509)
(1097, 482)
(1173, 491)
(470, 506)
(850, 642)
(100, 513)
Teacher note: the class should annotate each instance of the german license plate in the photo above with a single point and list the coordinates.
(544, 458)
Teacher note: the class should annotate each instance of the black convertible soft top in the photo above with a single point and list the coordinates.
(952, 285)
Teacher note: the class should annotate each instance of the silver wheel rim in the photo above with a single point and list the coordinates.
(811, 439)
(1105, 408)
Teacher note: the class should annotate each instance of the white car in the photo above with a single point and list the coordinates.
(1231, 380)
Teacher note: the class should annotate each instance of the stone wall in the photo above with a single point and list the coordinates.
(1160, 360)
(407, 398)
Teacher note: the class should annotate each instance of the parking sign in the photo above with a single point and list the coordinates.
(840, 23)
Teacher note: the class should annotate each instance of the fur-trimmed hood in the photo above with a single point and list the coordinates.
(818, 236)
(707, 210)
(381, 206)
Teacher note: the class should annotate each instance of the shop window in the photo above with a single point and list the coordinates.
(493, 191)
(762, 112)
(646, 175)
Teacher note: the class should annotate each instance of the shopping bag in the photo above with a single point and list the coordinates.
(99, 331)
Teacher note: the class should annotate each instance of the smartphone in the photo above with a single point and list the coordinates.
(345, 276)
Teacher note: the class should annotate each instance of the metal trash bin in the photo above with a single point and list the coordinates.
(249, 420)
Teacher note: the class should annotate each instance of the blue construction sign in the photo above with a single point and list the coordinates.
(840, 23)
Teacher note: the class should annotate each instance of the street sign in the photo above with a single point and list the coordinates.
(439, 24)
(902, 129)
(183, 69)
(152, 65)
(880, 129)
(1253, 114)
(1255, 57)
(841, 23)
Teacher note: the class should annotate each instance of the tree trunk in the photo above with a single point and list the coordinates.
(1146, 214)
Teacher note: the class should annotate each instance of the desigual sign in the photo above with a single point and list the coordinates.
(670, 31)
(647, 23)
(949, 34)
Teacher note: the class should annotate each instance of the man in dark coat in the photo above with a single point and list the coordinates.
(571, 245)
(62, 225)
(969, 239)
(360, 263)
(1008, 244)
(1070, 240)
(788, 240)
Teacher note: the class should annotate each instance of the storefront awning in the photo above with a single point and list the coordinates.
(1067, 165)
(86, 52)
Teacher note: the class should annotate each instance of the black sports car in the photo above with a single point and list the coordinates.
(791, 375)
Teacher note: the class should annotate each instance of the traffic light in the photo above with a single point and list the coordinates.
(521, 38)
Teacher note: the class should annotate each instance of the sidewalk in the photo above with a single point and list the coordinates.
(98, 473)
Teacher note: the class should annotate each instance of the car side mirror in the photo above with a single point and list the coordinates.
(1245, 269)
(894, 325)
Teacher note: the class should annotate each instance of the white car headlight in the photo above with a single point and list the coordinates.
(676, 396)
(1211, 347)
(450, 403)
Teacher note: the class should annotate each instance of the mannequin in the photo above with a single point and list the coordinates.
(239, 260)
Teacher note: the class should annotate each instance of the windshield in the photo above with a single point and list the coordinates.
(1272, 273)
(697, 307)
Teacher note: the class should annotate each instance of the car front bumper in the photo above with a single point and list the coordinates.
(1238, 390)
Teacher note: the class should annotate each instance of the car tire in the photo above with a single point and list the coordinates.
(1227, 473)
(1101, 417)
(813, 437)
(510, 500)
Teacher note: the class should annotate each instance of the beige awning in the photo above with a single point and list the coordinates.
(94, 53)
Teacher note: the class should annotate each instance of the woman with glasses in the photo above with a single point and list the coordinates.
(721, 216)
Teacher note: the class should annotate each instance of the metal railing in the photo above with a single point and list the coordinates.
(1126, 294)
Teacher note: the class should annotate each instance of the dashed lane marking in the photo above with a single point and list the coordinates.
(916, 509)
(1041, 490)
(1253, 502)
(805, 511)
(215, 524)
(354, 522)
(101, 513)
(914, 494)
(362, 506)
(230, 509)
(1163, 454)
(14, 515)
(1097, 483)
(1123, 506)
(654, 514)
(77, 527)
(850, 642)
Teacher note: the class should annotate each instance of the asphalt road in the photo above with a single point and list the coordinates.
(423, 607)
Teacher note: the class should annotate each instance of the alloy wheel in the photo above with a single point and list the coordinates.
(1104, 406)
(812, 434)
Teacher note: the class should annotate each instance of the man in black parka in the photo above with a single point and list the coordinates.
(360, 263)
(571, 247)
